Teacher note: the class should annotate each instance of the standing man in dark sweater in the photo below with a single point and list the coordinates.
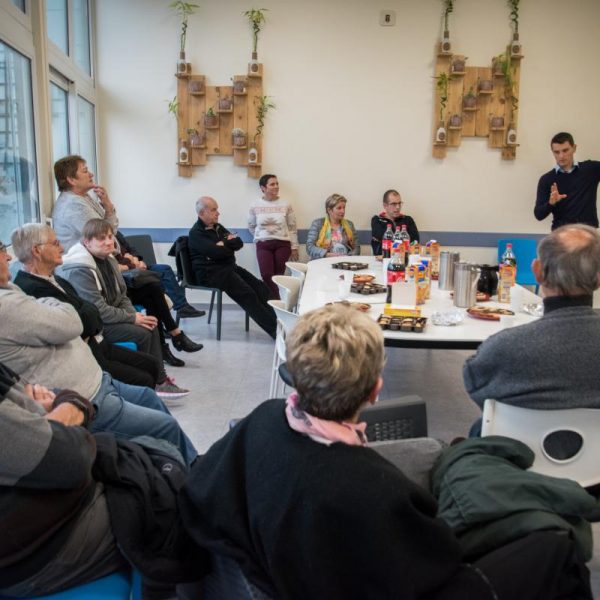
(568, 191)
(391, 215)
(212, 251)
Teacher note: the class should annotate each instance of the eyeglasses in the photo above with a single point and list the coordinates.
(54, 243)
(396, 204)
(2, 247)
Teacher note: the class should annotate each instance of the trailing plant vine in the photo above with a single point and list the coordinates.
(263, 106)
(442, 88)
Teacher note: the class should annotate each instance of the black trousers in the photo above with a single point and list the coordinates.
(128, 366)
(152, 297)
(247, 291)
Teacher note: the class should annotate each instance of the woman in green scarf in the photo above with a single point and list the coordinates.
(332, 235)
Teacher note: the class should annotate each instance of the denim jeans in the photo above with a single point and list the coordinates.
(171, 285)
(129, 411)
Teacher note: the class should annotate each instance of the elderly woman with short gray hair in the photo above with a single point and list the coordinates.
(293, 495)
(332, 235)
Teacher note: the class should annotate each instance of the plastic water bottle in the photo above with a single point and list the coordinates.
(507, 274)
(387, 242)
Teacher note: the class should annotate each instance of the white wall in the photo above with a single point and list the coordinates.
(354, 107)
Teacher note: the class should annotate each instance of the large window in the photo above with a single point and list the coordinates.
(59, 98)
(87, 132)
(71, 85)
(81, 35)
(58, 26)
(18, 181)
(20, 4)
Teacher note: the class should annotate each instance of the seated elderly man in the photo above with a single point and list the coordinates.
(73, 505)
(36, 246)
(41, 340)
(293, 495)
(45, 476)
(212, 250)
(553, 362)
(75, 206)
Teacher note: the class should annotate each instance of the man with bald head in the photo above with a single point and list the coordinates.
(212, 250)
(551, 363)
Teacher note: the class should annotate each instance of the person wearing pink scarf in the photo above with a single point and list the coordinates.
(293, 495)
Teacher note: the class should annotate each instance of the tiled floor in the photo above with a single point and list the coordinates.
(229, 378)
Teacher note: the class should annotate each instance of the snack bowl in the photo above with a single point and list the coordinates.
(535, 309)
(448, 317)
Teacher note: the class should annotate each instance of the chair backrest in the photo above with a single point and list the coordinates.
(296, 268)
(289, 290)
(396, 419)
(286, 322)
(525, 250)
(143, 244)
(287, 318)
(184, 261)
(565, 442)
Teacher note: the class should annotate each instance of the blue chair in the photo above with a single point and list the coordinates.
(525, 250)
(128, 345)
(117, 586)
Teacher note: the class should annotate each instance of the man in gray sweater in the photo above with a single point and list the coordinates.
(551, 363)
(40, 340)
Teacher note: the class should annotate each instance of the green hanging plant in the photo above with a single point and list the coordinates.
(514, 14)
(256, 16)
(173, 106)
(184, 10)
(263, 106)
(505, 64)
(442, 89)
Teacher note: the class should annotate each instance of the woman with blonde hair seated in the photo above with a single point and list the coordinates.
(293, 496)
(332, 235)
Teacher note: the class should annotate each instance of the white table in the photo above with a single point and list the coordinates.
(321, 287)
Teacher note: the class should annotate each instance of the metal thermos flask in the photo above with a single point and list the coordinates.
(465, 284)
(446, 278)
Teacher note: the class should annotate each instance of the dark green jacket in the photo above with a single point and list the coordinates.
(489, 499)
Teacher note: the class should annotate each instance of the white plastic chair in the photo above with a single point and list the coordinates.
(286, 321)
(289, 290)
(535, 428)
(297, 268)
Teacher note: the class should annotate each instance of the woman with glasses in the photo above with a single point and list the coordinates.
(391, 215)
(332, 235)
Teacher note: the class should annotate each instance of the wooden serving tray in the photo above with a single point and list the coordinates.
(406, 324)
(350, 266)
(368, 288)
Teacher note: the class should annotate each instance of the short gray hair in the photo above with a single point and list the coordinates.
(26, 237)
(200, 205)
(335, 356)
(570, 260)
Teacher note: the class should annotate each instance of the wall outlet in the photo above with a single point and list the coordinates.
(387, 18)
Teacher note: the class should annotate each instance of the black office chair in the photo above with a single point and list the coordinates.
(143, 244)
(397, 419)
(188, 281)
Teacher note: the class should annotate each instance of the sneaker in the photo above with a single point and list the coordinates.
(189, 312)
(169, 390)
